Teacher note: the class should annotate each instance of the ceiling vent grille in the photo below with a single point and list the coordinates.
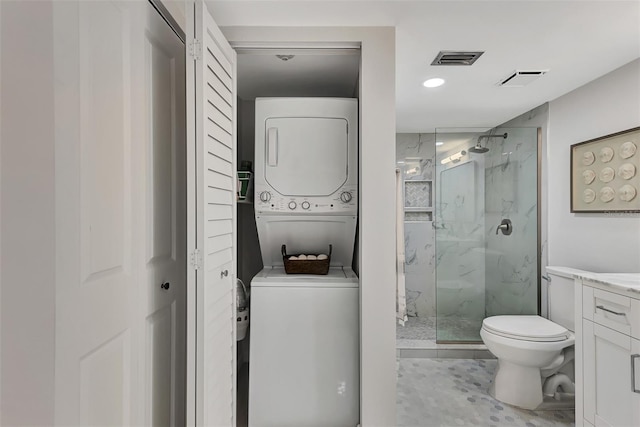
(521, 78)
(450, 57)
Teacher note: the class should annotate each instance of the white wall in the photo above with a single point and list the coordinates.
(249, 255)
(596, 242)
(377, 183)
(27, 249)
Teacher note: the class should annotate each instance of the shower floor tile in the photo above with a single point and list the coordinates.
(453, 392)
(450, 329)
(421, 331)
(417, 328)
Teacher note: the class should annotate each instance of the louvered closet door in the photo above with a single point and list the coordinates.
(211, 168)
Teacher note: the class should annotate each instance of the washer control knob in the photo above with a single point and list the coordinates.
(306, 205)
(265, 196)
(292, 205)
(346, 197)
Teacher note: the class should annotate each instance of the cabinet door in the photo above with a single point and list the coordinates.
(608, 397)
(635, 381)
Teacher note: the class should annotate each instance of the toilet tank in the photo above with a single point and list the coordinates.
(560, 295)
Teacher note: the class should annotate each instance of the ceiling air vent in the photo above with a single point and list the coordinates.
(450, 57)
(521, 78)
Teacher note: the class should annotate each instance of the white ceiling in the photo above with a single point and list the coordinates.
(578, 41)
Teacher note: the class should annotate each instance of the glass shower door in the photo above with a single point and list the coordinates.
(511, 193)
(480, 273)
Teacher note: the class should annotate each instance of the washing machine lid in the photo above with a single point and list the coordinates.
(276, 277)
(528, 328)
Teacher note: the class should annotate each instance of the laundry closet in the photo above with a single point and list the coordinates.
(220, 234)
(298, 143)
(273, 72)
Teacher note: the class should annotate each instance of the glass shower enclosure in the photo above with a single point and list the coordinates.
(486, 228)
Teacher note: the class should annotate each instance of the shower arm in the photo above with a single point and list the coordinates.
(504, 136)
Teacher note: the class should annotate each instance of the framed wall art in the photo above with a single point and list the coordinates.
(605, 175)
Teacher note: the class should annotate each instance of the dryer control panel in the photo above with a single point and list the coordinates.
(344, 201)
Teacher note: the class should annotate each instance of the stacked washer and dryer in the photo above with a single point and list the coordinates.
(304, 343)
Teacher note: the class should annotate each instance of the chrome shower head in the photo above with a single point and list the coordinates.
(479, 148)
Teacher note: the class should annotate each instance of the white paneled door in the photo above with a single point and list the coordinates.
(211, 109)
(120, 216)
(97, 281)
(164, 222)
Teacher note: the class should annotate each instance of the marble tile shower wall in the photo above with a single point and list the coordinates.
(511, 261)
(538, 118)
(415, 156)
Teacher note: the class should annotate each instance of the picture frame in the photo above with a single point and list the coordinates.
(605, 173)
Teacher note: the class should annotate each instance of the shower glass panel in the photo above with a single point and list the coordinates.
(480, 273)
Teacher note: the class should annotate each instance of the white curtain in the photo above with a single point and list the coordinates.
(401, 297)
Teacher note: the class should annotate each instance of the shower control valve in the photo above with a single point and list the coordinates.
(505, 226)
(265, 196)
(346, 197)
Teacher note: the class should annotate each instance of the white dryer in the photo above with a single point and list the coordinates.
(306, 158)
(304, 341)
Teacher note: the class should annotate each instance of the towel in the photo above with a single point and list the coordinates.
(401, 297)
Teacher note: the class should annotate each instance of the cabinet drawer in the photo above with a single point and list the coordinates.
(618, 312)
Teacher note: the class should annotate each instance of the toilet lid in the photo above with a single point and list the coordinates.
(529, 328)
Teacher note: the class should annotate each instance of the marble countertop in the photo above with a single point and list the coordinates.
(626, 282)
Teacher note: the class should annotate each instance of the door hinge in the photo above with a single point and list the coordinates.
(195, 49)
(195, 259)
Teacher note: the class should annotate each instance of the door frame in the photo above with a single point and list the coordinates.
(376, 231)
(375, 260)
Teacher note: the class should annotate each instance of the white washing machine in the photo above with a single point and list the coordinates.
(304, 342)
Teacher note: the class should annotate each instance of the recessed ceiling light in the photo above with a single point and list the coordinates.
(438, 143)
(434, 82)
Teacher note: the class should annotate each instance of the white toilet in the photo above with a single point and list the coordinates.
(531, 349)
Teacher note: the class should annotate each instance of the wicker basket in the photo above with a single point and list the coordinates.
(305, 266)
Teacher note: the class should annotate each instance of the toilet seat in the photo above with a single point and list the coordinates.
(526, 328)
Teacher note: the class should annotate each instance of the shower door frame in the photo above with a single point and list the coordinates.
(538, 235)
(539, 218)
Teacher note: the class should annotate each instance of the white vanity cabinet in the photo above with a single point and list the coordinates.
(607, 355)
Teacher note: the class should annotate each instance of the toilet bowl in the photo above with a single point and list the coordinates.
(529, 350)
(532, 350)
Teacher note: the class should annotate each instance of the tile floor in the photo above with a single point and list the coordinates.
(453, 392)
